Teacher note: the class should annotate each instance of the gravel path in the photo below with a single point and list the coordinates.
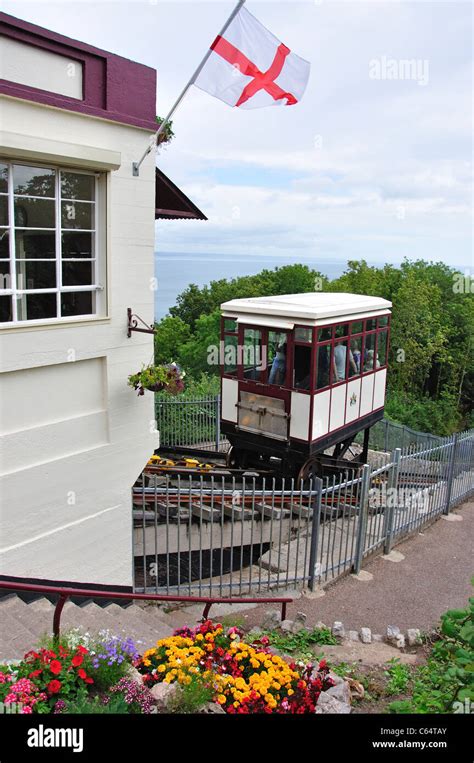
(432, 577)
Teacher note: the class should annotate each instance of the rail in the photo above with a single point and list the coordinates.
(65, 593)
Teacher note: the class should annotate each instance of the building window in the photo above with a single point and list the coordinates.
(51, 230)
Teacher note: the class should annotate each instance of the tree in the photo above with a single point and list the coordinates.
(170, 335)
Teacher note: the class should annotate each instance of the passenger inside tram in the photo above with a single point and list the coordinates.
(278, 369)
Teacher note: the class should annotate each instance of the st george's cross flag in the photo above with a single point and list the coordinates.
(249, 67)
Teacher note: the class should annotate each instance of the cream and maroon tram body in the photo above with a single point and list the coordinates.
(301, 373)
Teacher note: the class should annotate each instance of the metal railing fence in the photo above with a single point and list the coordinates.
(190, 422)
(209, 535)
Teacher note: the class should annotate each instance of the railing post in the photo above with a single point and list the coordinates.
(57, 616)
(218, 421)
(386, 435)
(449, 487)
(313, 549)
(392, 497)
(363, 515)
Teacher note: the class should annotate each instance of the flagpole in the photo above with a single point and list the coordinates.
(136, 165)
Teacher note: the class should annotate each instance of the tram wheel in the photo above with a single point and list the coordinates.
(311, 469)
(236, 458)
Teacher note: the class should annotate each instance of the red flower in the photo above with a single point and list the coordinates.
(82, 650)
(82, 674)
(77, 660)
(55, 667)
(89, 680)
(54, 686)
(35, 673)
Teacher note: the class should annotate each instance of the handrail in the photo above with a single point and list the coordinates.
(64, 593)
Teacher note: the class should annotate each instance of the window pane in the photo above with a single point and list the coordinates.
(381, 349)
(5, 282)
(370, 324)
(77, 245)
(357, 327)
(324, 334)
(33, 181)
(3, 210)
(369, 352)
(38, 306)
(35, 244)
(323, 365)
(36, 275)
(78, 273)
(5, 309)
(342, 329)
(383, 321)
(4, 245)
(276, 357)
(230, 324)
(303, 335)
(3, 178)
(77, 186)
(75, 214)
(252, 353)
(76, 303)
(34, 213)
(355, 356)
(230, 355)
(302, 366)
(340, 354)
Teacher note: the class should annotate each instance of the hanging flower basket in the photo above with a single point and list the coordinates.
(168, 377)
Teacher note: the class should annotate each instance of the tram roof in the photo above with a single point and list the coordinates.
(284, 310)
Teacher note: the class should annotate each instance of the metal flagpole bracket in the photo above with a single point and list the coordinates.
(132, 324)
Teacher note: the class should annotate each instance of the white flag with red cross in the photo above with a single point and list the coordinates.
(250, 68)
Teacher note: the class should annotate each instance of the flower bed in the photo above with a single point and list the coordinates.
(245, 678)
(106, 674)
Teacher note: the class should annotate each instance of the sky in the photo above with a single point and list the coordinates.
(374, 163)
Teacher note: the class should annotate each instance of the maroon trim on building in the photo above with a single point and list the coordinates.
(114, 88)
(171, 203)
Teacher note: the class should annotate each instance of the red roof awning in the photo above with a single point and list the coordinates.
(171, 203)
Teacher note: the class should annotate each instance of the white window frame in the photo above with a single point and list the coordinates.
(98, 287)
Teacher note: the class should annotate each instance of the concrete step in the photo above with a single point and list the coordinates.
(15, 639)
(19, 612)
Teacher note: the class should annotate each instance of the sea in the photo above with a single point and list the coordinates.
(175, 271)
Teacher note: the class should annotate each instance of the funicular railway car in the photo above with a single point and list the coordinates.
(301, 373)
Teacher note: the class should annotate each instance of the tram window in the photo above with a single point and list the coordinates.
(355, 355)
(323, 366)
(369, 352)
(324, 334)
(276, 357)
(383, 321)
(252, 353)
(230, 354)
(381, 359)
(230, 325)
(357, 327)
(339, 362)
(303, 335)
(302, 366)
(342, 329)
(370, 324)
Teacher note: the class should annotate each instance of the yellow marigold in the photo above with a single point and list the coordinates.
(290, 692)
(221, 699)
(161, 668)
(199, 637)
